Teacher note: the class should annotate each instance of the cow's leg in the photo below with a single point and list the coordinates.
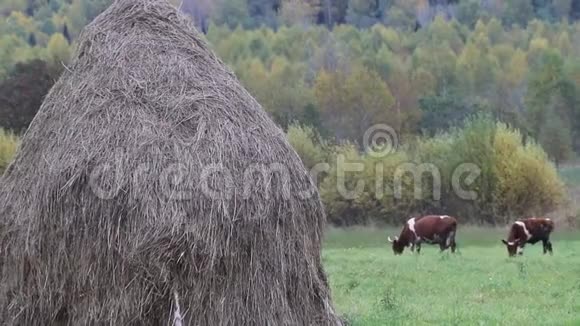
(450, 241)
(547, 246)
(419, 247)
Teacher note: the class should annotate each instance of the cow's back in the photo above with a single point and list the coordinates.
(428, 226)
(539, 226)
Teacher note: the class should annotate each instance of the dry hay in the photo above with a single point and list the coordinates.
(129, 201)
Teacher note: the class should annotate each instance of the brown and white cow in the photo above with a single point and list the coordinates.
(431, 229)
(529, 230)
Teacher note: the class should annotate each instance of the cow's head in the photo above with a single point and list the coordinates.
(398, 247)
(513, 247)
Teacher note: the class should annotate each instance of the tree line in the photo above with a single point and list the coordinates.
(336, 68)
(343, 81)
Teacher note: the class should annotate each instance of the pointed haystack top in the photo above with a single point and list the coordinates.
(138, 195)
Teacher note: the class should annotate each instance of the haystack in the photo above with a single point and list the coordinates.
(152, 189)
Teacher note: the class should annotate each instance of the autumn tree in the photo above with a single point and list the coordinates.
(401, 15)
(440, 61)
(351, 102)
(476, 69)
(58, 49)
(281, 90)
(296, 12)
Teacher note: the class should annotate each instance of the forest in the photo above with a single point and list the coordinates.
(486, 81)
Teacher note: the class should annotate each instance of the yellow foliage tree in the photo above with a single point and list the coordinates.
(58, 49)
(527, 183)
(8, 146)
(353, 101)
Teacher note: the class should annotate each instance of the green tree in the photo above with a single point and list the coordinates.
(281, 90)
(544, 82)
(556, 139)
(444, 32)
(12, 50)
(365, 13)
(263, 12)
(442, 112)
(440, 61)
(551, 92)
(476, 69)
(401, 15)
(233, 13)
(468, 12)
(518, 12)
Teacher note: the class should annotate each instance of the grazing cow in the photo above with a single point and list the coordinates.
(529, 230)
(431, 229)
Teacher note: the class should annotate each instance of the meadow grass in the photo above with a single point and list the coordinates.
(479, 285)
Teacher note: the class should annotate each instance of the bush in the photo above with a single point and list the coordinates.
(474, 148)
(527, 183)
(515, 180)
(8, 145)
(306, 144)
(359, 188)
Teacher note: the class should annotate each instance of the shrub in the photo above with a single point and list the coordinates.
(473, 148)
(527, 183)
(365, 193)
(8, 145)
(515, 180)
(304, 140)
(438, 152)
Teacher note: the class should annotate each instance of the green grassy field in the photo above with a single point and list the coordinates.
(479, 285)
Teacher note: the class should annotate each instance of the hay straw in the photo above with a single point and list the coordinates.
(113, 211)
